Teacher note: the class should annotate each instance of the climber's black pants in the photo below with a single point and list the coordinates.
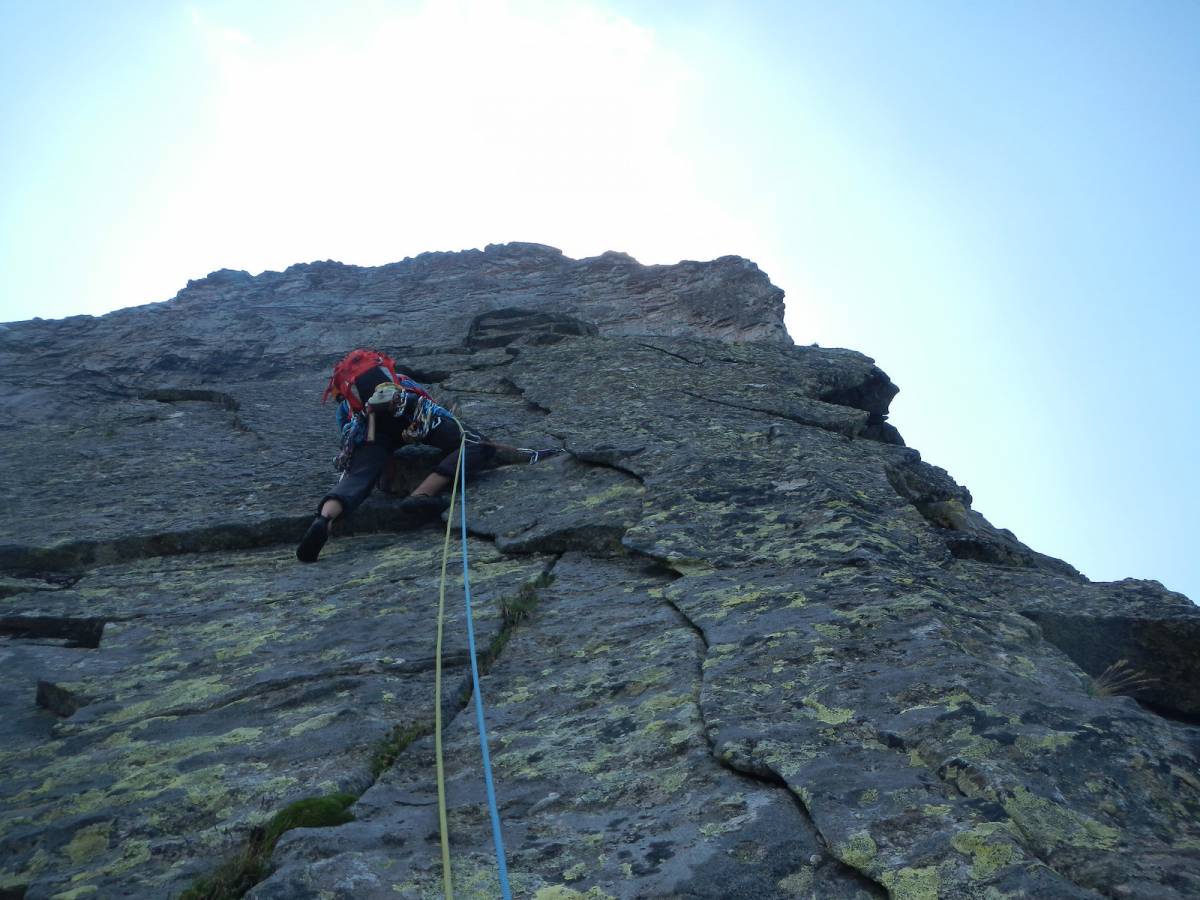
(370, 460)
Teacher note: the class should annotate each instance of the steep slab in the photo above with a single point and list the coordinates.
(606, 781)
(224, 687)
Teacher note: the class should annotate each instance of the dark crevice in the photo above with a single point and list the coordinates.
(508, 325)
(1171, 715)
(860, 878)
(38, 582)
(523, 456)
(975, 550)
(70, 559)
(66, 563)
(82, 632)
(175, 395)
(520, 392)
(608, 458)
(872, 396)
(513, 611)
(922, 484)
(424, 376)
(691, 624)
(655, 567)
(1126, 655)
(219, 398)
(15, 892)
(476, 392)
(693, 362)
(59, 700)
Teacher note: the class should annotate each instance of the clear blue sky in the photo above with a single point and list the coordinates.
(999, 202)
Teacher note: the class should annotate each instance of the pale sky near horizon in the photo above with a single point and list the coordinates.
(998, 202)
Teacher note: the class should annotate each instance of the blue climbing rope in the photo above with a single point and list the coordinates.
(497, 838)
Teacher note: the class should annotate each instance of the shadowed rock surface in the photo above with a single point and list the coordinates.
(739, 641)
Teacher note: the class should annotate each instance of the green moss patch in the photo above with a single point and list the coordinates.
(395, 744)
(252, 865)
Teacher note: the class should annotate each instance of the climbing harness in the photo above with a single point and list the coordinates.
(460, 487)
(400, 402)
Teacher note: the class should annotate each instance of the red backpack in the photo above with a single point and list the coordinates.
(359, 362)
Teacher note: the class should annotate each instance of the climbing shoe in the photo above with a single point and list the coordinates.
(314, 539)
(423, 505)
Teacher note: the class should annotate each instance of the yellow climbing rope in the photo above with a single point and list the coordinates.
(447, 881)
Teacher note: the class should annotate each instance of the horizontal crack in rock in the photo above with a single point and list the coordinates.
(78, 632)
(174, 395)
(263, 688)
(694, 362)
(201, 395)
(77, 555)
(608, 458)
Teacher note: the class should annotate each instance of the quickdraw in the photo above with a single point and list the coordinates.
(536, 455)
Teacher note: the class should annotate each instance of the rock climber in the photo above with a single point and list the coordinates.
(380, 411)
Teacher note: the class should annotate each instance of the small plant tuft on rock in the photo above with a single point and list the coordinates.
(517, 608)
(1120, 678)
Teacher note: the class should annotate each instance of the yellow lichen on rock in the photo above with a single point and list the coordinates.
(88, 843)
(912, 883)
(989, 845)
(859, 851)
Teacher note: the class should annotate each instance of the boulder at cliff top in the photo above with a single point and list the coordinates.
(738, 640)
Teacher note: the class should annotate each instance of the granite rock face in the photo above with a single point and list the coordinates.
(738, 640)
